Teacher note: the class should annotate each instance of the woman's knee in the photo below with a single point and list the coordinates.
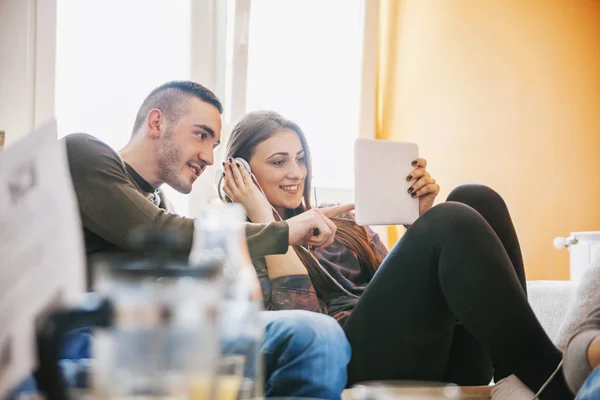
(451, 217)
(471, 193)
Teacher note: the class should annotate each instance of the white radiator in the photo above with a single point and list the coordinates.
(583, 248)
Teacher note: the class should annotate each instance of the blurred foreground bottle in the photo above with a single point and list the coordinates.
(220, 239)
(155, 328)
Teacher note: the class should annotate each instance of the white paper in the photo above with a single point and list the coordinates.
(42, 260)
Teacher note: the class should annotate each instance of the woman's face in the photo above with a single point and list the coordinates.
(280, 168)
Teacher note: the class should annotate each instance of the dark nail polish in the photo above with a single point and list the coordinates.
(414, 162)
(408, 178)
(223, 163)
(230, 159)
(413, 194)
(410, 189)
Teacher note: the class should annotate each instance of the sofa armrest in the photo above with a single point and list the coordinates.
(550, 301)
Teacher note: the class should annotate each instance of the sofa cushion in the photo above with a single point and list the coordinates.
(587, 291)
(550, 301)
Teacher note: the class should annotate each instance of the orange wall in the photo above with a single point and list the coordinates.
(506, 93)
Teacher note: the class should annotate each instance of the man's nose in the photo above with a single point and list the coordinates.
(207, 156)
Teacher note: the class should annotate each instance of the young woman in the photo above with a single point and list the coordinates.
(447, 303)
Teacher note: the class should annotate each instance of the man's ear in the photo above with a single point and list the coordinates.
(154, 122)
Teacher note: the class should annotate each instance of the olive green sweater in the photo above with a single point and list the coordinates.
(114, 199)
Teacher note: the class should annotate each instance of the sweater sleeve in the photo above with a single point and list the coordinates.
(576, 364)
(267, 239)
(111, 206)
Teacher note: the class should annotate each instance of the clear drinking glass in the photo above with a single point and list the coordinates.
(230, 377)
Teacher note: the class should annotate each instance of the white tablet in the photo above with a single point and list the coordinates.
(380, 187)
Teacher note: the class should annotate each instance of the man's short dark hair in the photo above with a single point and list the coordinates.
(171, 99)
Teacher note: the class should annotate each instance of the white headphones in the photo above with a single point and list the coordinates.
(220, 175)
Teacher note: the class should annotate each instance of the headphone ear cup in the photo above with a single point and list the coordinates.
(218, 180)
(244, 163)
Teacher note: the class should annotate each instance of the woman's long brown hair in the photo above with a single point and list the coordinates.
(256, 127)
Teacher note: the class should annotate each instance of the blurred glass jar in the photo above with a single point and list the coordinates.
(156, 329)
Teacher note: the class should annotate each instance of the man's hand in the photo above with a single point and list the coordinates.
(314, 228)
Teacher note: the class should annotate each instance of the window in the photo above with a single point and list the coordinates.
(301, 58)
(110, 55)
(304, 61)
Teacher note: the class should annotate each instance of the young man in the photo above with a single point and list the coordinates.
(174, 135)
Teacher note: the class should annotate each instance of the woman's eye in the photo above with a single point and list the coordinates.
(302, 159)
(278, 163)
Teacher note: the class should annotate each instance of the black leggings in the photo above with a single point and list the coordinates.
(449, 303)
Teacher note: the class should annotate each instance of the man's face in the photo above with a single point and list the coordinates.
(186, 147)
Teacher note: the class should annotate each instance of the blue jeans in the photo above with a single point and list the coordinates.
(591, 387)
(306, 354)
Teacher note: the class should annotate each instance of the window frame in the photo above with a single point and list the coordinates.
(209, 47)
(215, 73)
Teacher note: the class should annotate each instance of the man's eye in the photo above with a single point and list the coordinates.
(201, 135)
